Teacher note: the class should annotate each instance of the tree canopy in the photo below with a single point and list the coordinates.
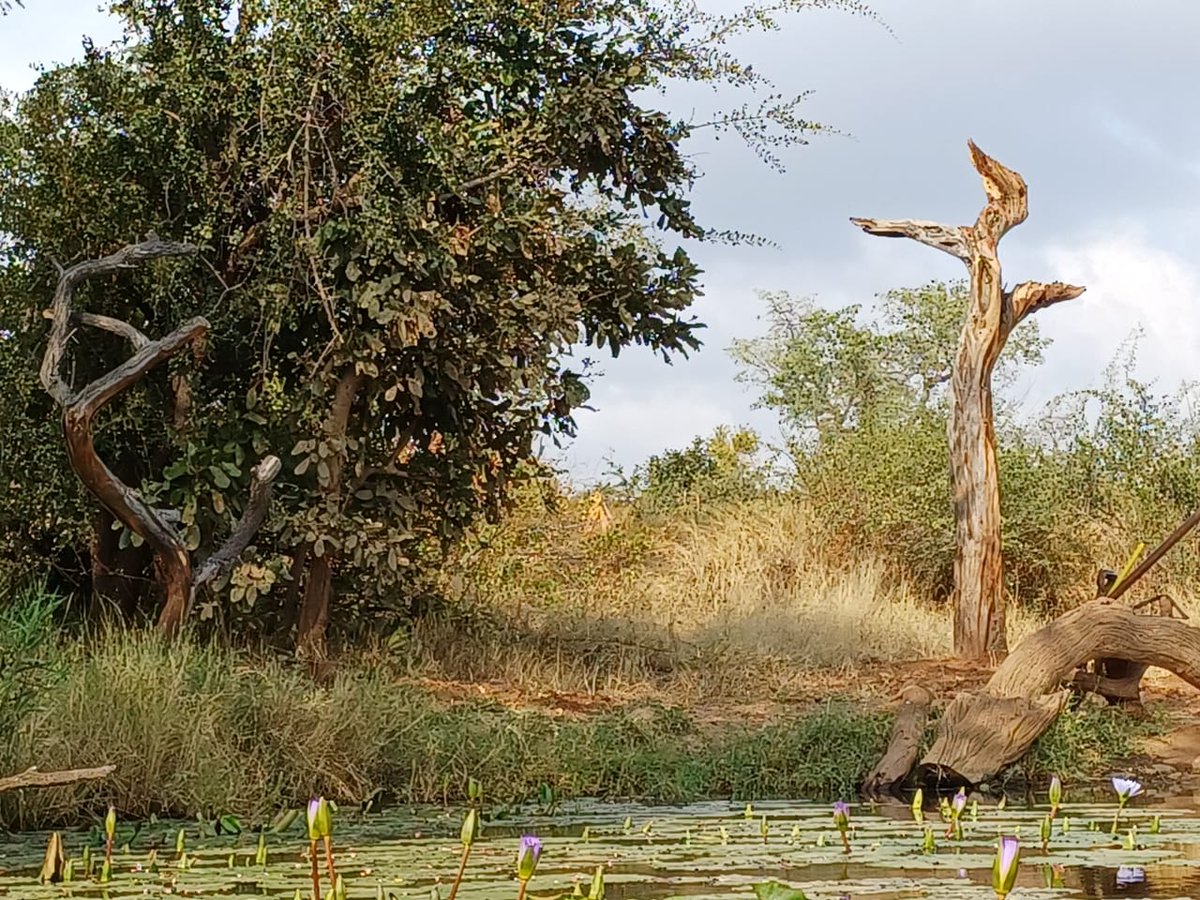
(415, 219)
(829, 372)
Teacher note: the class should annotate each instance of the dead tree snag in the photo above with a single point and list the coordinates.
(979, 625)
(155, 526)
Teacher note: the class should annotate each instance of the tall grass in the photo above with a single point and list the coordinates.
(200, 729)
(727, 602)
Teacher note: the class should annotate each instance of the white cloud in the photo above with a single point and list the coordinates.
(1130, 283)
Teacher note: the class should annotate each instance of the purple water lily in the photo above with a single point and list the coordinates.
(959, 803)
(1004, 869)
(841, 820)
(527, 856)
(841, 814)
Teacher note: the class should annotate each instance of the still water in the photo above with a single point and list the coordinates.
(707, 850)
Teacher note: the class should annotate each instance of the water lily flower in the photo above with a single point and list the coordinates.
(110, 833)
(1004, 869)
(527, 857)
(918, 806)
(320, 820)
(960, 802)
(953, 813)
(841, 820)
(1126, 789)
(320, 828)
(841, 815)
(470, 828)
(1055, 795)
(1127, 875)
(470, 831)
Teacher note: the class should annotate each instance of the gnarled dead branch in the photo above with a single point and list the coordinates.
(33, 778)
(155, 527)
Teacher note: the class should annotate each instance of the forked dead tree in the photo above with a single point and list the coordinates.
(157, 527)
(979, 625)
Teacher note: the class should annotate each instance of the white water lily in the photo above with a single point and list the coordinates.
(1126, 789)
(1127, 875)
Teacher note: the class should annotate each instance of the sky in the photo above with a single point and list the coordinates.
(1092, 102)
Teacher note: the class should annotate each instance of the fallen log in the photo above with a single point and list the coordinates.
(979, 735)
(33, 778)
(983, 732)
(904, 745)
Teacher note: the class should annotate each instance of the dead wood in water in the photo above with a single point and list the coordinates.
(33, 778)
(985, 731)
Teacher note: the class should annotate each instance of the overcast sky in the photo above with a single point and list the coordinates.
(1093, 102)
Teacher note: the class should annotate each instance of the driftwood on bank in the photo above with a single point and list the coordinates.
(905, 743)
(157, 527)
(983, 732)
(992, 314)
(33, 778)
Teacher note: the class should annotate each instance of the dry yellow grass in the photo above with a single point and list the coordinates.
(744, 599)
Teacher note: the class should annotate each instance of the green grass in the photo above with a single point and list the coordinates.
(204, 729)
(198, 728)
(1083, 743)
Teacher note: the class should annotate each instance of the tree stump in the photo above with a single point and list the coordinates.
(905, 744)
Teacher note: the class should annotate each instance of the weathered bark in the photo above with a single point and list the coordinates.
(905, 744)
(979, 623)
(981, 733)
(32, 778)
(318, 584)
(156, 527)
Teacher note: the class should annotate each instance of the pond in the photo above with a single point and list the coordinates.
(699, 851)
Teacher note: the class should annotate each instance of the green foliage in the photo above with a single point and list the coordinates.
(30, 664)
(863, 403)
(829, 372)
(415, 221)
(200, 728)
(1085, 742)
(713, 470)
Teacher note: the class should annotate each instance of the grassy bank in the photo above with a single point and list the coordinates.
(205, 729)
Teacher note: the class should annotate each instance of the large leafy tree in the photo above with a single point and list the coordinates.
(412, 216)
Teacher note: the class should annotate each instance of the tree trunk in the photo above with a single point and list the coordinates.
(156, 527)
(314, 610)
(979, 624)
(979, 621)
(318, 586)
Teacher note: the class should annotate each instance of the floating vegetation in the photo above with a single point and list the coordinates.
(785, 851)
